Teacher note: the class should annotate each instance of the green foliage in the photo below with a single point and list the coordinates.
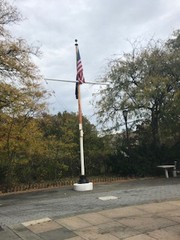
(62, 134)
(146, 82)
(21, 98)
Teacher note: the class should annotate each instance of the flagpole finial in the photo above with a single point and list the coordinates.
(76, 42)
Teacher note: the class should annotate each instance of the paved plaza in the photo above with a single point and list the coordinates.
(133, 210)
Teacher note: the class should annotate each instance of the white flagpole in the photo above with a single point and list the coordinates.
(80, 124)
(81, 132)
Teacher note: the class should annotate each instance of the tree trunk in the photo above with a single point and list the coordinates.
(155, 126)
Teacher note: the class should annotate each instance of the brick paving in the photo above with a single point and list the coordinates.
(160, 221)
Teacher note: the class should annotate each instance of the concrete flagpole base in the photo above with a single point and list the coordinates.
(83, 184)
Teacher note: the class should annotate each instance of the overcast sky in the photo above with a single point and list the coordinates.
(103, 29)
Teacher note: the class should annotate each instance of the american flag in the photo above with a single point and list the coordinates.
(80, 76)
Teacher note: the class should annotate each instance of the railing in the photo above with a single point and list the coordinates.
(58, 184)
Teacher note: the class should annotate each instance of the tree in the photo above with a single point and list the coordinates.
(8, 14)
(21, 94)
(62, 135)
(19, 76)
(146, 82)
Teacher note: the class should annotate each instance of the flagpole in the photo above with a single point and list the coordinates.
(83, 184)
(81, 132)
(82, 177)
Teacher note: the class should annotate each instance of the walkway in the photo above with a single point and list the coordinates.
(137, 210)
